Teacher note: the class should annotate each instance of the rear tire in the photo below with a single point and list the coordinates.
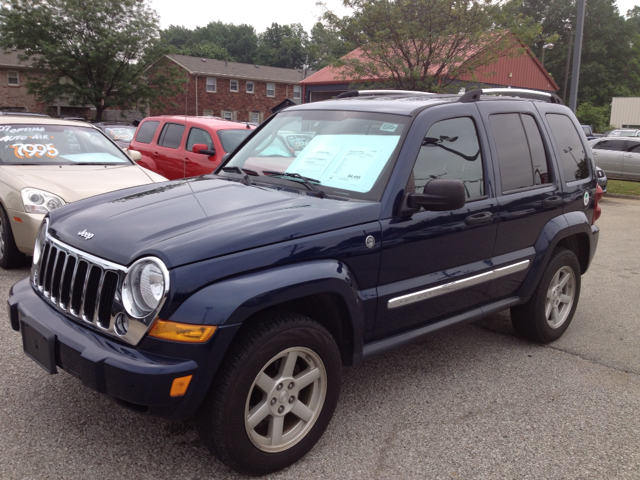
(10, 256)
(274, 395)
(549, 311)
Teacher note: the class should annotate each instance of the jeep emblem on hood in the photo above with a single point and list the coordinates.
(85, 234)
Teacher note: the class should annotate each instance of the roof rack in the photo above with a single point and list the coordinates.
(371, 93)
(474, 95)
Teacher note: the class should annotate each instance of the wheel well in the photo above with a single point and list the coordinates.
(578, 244)
(328, 309)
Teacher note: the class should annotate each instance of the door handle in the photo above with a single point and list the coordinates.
(156, 153)
(479, 218)
(551, 202)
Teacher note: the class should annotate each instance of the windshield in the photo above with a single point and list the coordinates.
(623, 133)
(121, 134)
(230, 139)
(57, 145)
(347, 152)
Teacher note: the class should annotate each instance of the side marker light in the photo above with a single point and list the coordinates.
(180, 385)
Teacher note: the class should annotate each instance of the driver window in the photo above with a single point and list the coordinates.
(197, 135)
(451, 149)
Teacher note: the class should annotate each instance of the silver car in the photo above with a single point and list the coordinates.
(619, 157)
(46, 163)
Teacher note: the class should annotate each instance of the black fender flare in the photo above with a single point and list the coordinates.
(233, 300)
(557, 229)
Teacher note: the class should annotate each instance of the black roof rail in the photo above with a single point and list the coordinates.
(474, 95)
(371, 93)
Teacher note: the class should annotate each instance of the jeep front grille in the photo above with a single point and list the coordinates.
(78, 284)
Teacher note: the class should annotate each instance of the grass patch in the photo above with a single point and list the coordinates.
(623, 188)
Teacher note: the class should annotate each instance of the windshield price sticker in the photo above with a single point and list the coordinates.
(351, 162)
(388, 127)
(22, 150)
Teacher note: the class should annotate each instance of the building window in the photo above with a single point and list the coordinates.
(227, 115)
(13, 78)
(249, 87)
(297, 92)
(234, 85)
(271, 89)
(254, 117)
(211, 85)
(207, 113)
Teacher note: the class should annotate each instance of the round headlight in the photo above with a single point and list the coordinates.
(37, 248)
(144, 287)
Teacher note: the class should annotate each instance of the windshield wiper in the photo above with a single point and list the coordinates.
(245, 172)
(306, 180)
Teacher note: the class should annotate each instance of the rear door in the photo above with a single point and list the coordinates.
(631, 160)
(529, 195)
(144, 142)
(608, 154)
(168, 154)
(434, 264)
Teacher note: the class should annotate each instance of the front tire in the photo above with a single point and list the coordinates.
(274, 396)
(549, 311)
(10, 256)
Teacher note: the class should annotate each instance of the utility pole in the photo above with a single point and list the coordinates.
(577, 52)
(566, 72)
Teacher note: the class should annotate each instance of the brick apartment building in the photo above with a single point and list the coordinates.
(13, 92)
(234, 91)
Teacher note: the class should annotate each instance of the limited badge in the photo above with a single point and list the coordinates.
(370, 241)
(586, 198)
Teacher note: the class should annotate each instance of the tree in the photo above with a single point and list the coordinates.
(90, 51)
(610, 63)
(597, 117)
(424, 44)
(283, 46)
(207, 50)
(240, 41)
(326, 45)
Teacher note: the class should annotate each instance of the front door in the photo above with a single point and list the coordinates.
(608, 155)
(631, 160)
(199, 163)
(436, 264)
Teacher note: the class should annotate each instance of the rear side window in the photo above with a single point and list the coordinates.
(523, 161)
(633, 147)
(450, 149)
(171, 135)
(146, 132)
(615, 145)
(573, 159)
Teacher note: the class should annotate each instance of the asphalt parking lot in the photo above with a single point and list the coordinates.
(475, 402)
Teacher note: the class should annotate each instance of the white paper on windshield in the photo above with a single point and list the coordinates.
(350, 162)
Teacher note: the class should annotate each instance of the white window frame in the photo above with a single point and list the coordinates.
(253, 87)
(297, 89)
(207, 113)
(211, 81)
(224, 114)
(254, 117)
(16, 77)
(237, 84)
(273, 87)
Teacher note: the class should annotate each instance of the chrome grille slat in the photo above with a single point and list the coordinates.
(78, 284)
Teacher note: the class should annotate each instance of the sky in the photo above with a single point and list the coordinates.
(261, 13)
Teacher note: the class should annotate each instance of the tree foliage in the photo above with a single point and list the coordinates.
(610, 62)
(597, 117)
(326, 46)
(423, 44)
(90, 51)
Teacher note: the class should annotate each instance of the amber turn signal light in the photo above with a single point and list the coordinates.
(181, 332)
(180, 385)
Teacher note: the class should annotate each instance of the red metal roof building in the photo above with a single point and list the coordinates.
(519, 71)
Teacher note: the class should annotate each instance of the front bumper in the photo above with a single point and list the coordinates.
(133, 377)
(25, 228)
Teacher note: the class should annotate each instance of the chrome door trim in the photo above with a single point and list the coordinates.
(456, 285)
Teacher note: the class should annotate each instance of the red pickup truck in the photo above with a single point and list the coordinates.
(178, 146)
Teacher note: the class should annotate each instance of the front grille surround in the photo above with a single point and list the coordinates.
(87, 289)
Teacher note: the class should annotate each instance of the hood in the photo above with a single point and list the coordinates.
(75, 182)
(190, 220)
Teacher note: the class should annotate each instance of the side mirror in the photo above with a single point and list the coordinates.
(439, 195)
(203, 149)
(135, 155)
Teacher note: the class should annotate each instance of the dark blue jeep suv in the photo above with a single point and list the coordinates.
(337, 231)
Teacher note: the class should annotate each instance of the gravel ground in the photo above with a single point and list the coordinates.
(475, 402)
